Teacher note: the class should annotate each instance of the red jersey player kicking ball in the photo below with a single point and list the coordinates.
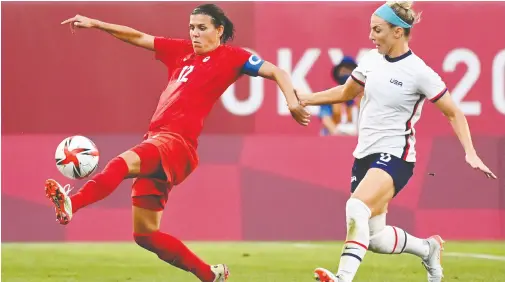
(199, 71)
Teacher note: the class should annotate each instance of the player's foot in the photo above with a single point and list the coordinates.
(221, 271)
(433, 263)
(324, 275)
(347, 129)
(59, 197)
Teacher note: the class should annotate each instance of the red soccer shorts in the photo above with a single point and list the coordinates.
(178, 160)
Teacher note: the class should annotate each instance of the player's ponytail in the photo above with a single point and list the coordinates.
(403, 9)
(229, 30)
(218, 19)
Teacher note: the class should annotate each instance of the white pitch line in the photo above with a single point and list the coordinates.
(449, 254)
(477, 256)
(305, 245)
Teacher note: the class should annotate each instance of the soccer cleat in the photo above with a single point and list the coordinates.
(221, 271)
(347, 129)
(324, 275)
(59, 197)
(433, 263)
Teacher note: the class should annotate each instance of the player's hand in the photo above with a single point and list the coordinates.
(302, 98)
(300, 114)
(476, 163)
(79, 21)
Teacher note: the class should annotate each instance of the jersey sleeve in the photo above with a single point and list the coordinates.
(252, 66)
(360, 72)
(247, 62)
(431, 84)
(167, 49)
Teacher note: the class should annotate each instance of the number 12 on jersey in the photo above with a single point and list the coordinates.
(183, 76)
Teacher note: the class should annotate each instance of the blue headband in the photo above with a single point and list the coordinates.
(388, 14)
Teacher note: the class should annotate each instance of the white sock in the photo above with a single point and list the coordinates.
(393, 240)
(358, 238)
(377, 223)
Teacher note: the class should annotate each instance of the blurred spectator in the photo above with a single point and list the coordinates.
(334, 120)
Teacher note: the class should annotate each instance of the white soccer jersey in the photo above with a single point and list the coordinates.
(395, 90)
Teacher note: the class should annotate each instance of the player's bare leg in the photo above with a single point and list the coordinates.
(168, 248)
(100, 186)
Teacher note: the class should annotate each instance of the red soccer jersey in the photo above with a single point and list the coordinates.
(195, 82)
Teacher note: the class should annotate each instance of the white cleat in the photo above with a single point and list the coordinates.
(59, 197)
(347, 129)
(221, 271)
(324, 275)
(433, 263)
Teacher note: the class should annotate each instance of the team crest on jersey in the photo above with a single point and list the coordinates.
(206, 59)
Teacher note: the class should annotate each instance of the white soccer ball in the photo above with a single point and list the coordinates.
(76, 157)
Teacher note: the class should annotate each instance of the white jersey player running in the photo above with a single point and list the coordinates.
(397, 89)
(396, 83)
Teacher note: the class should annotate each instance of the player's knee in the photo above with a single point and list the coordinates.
(144, 240)
(357, 210)
(116, 165)
(145, 221)
(377, 204)
(133, 161)
(145, 225)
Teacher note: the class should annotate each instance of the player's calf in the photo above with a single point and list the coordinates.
(394, 240)
(174, 252)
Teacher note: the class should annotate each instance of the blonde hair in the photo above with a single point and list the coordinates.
(403, 9)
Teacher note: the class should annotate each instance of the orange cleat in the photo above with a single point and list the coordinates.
(60, 199)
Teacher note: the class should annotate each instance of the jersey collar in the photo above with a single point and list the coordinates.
(399, 58)
(209, 53)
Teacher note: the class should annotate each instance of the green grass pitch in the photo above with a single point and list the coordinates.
(248, 261)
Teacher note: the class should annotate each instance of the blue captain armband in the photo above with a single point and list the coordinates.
(252, 66)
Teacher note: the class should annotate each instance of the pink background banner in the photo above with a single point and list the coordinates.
(273, 180)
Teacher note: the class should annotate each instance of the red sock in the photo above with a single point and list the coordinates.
(173, 251)
(102, 184)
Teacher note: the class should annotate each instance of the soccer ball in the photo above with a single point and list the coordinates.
(76, 157)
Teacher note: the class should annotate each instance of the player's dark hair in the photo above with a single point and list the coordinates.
(218, 19)
(403, 9)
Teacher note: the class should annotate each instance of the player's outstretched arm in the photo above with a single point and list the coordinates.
(281, 77)
(339, 94)
(462, 130)
(124, 33)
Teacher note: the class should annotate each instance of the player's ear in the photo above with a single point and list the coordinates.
(220, 31)
(398, 32)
